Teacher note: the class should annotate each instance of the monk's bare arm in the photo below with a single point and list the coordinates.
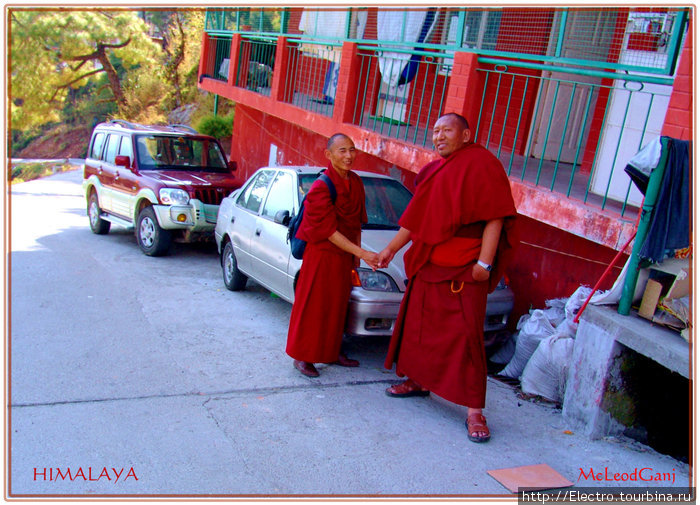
(402, 237)
(489, 244)
(341, 241)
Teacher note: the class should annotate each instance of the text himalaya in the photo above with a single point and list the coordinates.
(87, 474)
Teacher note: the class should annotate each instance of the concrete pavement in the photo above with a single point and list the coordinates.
(150, 366)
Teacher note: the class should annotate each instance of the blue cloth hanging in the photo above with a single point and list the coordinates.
(670, 225)
(411, 69)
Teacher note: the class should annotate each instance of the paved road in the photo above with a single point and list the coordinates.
(149, 366)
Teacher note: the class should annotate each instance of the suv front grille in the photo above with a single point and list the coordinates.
(209, 196)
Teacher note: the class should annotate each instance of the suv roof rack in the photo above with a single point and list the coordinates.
(183, 127)
(124, 123)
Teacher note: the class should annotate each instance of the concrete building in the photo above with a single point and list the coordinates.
(564, 97)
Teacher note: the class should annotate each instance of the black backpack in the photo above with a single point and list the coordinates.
(298, 245)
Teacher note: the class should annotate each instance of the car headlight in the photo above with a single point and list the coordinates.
(171, 196)
(374, 281)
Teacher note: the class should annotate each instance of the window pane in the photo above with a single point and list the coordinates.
(281, 195)
(254, 193)
(112, 148)
(97, 146)
(385, 200)
(305, 182)
(215, 156)
(125, 148)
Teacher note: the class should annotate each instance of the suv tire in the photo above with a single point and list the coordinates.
(234, 279)
(98, 225)
(153, 240)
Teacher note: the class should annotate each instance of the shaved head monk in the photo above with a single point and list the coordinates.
(460, 225)
(332, 232)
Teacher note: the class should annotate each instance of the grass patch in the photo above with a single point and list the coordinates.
(23, 172)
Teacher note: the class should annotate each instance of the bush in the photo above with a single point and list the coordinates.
(218, 127)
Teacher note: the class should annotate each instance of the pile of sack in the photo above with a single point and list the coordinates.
(540, 352)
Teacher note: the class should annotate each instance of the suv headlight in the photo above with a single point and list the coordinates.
(171, 196)
(374, 281)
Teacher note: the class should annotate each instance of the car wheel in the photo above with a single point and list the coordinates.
(234, 279)
(97, 224)
(153, 240)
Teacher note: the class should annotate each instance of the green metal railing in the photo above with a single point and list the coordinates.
(558, 131)
(312, 75)
(401, 93)
(255, 65)
(217, 64)
(566, 116)
(575, 36)
(272, 21)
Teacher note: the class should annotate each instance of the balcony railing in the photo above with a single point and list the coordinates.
(216, 65)
(565, 128)
(401, 92)
(570, 136)
(255, 66)
(312, 75)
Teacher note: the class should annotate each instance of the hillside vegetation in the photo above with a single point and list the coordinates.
(72, 68)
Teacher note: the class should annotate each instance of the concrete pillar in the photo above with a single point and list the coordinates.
(204, 54)
(348, 84)
(678, 122)
(234, 58)
(466, 85)
(592, 362)
(279, 75)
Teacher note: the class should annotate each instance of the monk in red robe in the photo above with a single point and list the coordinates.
(332, 232)
(460, 222)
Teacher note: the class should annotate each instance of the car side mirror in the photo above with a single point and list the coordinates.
(122, 161)
(232, 166)
(282, 217)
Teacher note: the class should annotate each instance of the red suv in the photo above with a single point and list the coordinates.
(164, 181)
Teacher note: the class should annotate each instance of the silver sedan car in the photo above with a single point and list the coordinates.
(251, 236)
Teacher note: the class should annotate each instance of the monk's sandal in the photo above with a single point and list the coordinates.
(476, 423)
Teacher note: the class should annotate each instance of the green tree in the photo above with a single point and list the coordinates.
(180, 35)
(54, 50)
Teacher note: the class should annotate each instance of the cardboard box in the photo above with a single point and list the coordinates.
(667, 280)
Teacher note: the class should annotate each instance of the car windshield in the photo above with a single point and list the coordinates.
(169, 152)
(385, 199)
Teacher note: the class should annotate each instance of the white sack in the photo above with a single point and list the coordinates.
(533, 328)
(547, 370)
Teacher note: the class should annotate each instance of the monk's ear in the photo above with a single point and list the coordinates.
(327, 154)
(467, 135)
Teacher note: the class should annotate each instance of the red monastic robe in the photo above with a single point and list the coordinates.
(438, 339)
(323, 289)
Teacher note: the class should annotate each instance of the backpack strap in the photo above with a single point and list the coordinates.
(331, 186)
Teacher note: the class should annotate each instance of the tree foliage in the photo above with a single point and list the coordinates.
(54, 51)
(179, 34)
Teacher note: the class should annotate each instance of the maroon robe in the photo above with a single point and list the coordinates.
(323, 288)
(438, 339)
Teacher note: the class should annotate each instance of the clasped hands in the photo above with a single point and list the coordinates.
(380, 260)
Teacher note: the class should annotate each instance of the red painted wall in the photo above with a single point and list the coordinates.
(550, 263)
(679, 117)
(254, 132)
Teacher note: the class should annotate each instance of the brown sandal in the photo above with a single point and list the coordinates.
(476, 423)
(405, 389)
